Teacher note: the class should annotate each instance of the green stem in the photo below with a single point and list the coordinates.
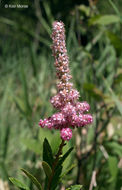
(55, 163)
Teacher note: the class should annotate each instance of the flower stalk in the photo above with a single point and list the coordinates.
(57, 157)
(71, 113)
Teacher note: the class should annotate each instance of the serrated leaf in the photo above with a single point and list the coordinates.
(47, 169)
(33, 179)
(75, 187)
(47, 152)
(104, 20)
(18, 183)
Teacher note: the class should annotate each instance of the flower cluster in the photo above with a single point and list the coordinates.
(71, 113)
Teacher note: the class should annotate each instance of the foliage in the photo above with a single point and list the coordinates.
(53, 173)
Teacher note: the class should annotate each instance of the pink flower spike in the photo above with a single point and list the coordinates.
(66, 134)
(71, 113)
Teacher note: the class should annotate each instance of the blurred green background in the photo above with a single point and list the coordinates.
(27, 81)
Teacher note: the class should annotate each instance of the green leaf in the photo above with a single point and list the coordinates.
(70, 33)
(25, 90)
(47, 152)
(65, 156)
(47, 8)
(113, 168)
(114, 7)
(75, 187)
(55, 142)
(20, 105)
(47, 169)
(18, 183)
(33, 179)
(84, 9)
(93, 91)
(68, 170)
(114, 148)
(114, 97)
(32, 144)
(7, 21)
(56, 177)
(115, 41)
(33, 60)
(58, 169)
(104, 20)
(118, 79)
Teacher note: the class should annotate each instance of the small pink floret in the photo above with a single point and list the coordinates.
(82, 107)
(68, 110)
(41, 123)
(66, 134)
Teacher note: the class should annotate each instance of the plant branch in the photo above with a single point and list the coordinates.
(55, 163)
(93, 180)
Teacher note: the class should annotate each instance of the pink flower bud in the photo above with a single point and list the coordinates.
(66, 134)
